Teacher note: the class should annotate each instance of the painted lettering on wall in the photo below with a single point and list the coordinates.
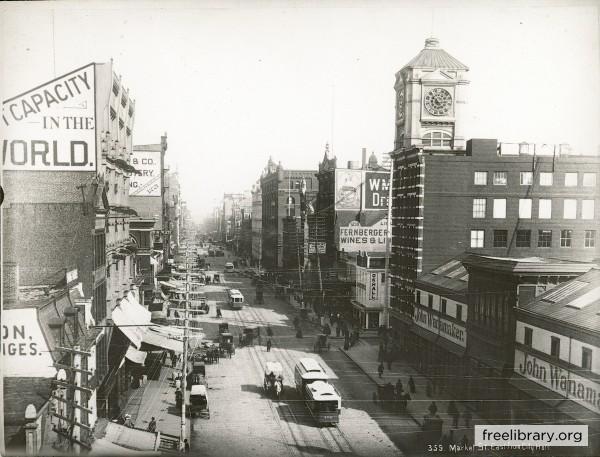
(584, 391)
(376, 190)
(447, 329)
(52, 127)
(146, 183)
(354, 237)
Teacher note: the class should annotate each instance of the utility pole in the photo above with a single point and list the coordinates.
(185, 346)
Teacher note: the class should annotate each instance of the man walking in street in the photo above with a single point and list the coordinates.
(380, 369)
(152, 425)
(269, 344)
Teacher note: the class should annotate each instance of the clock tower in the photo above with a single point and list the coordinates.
(430, 99)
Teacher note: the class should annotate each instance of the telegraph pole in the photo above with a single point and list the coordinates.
(185, 347)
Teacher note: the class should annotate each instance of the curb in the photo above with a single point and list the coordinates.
(373, 379)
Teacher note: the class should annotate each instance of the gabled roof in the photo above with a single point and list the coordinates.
(451, 276)
(575, 302)
(432, 56)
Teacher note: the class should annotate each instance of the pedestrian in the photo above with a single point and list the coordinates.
(219, 315)
(399, 387)
(453, 412)
(152, 425)
(411, 385)
(468, 416)
(380, 369)
(128, 421)
(269, 344)
(178, 398)
(186, 446)
(432, 408)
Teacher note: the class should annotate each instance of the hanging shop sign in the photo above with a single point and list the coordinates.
(376, 190)
(445, 328)
(145, 183)
(25, 352)
(354, 237)
(52, 127)
(581, 390)
(373, 286)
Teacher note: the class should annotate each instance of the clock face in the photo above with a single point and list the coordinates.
(400, 105)
(438, 101)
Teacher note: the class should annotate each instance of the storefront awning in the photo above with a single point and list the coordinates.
(165, 337)
(106, 448)
(171, 284)
(131, 438)
(131, 318)
(362, 307)
(136, 356)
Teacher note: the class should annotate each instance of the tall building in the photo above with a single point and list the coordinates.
(281, 197)
(256, 225)
(486, 197)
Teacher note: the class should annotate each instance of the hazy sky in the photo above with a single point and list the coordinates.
(233, 83)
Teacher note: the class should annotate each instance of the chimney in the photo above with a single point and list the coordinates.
(364, 158)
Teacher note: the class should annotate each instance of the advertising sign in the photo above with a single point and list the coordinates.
(147, 182)
(25, 352)
(377, 188)
(449, 330)
(373, 286)
(582, 390)
(52, 127)
(348, 189)
(354, 237)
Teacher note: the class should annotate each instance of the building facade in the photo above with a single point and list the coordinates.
(256, 225)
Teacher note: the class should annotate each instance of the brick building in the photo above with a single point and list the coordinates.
(256, 225)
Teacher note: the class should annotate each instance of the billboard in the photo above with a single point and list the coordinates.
(52, 127)
(348, 189)
(376, 190)
(445, 328)
(147, 182)
(24, 349)
(354, 237)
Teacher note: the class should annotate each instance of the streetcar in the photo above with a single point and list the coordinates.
(236, 299)
(308, 371)
(323, 402)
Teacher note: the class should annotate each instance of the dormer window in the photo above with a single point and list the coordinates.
(437, 139)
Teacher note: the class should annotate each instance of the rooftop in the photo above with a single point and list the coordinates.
(575, 302)
(451, 276)
(526, 265)
(432, 56)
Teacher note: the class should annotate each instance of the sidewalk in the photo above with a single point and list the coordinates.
(157, 399)
(364, 355)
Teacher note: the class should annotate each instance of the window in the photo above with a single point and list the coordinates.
(116, 188)
(500, 178)
(586, 358)
(418, 297)
(569, 208)
(544, 238)
(528, 336)
(554, 346)
(500, 238)
(499, 208)
(523, 238)
(437, 139)
(570, 179)
(566, 238)
(459, 312)
(545, 179)
(587, 209)
(444, 306)
(545, 209)
(477, 238)
(478, 208)
(480, 178)
(526, 178)
(589, 179)
(525, 208)
(430, 301)
(590, 238)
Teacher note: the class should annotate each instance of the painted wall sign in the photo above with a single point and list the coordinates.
(376, 190)
(445, 328)
(354, 237)
(348, 189)
(52, 127)
(146, 184)
(564, 382)
(373, 286)
(25, 352)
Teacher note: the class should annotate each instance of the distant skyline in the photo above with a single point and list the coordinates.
(232, 85)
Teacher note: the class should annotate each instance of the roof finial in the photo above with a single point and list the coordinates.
(432, 42)
(327, 151)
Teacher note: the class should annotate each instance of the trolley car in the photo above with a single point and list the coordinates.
(323, 401)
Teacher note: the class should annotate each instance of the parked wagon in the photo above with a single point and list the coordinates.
(273, 380)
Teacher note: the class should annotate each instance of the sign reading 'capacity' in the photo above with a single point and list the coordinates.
(52, 127)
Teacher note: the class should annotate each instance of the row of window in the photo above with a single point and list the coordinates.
(523, 238)
(586, 353)
(500, 178)
(443, 305)
(525, 205)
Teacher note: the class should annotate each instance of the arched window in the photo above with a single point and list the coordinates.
(442, 139)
